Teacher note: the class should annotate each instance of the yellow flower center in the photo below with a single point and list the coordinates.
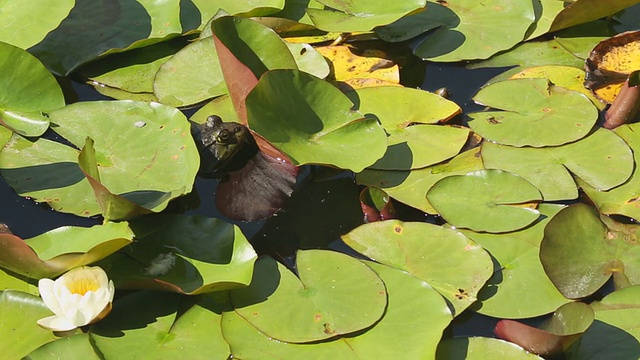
(82, 286)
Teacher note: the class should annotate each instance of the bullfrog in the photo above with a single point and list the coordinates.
(224, 147)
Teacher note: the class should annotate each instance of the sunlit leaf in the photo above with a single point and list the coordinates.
(428, 252)
(284, 109)
(491, 199)
(69, 347)
(582, 11)
(535, 113)
(335, 294)
(309, 59)
(601, 160)
(25, 24)
(481, 348)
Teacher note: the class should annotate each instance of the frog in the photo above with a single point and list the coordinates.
(224, 147)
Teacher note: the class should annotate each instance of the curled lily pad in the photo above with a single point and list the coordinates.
(26, 92)
(404, 113)
(428, 252)
(601, 160)
(519, 272)
(410, 187)
(163, 167)
(360, 15)
(485, 200)
(185, 254)
(581, 251)
(536, 113)
(335, 294)
(61, 249)
(284, 108)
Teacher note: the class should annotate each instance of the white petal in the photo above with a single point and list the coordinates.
(56, 323)
(46, 289)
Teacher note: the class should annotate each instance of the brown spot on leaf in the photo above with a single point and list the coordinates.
(397, 229)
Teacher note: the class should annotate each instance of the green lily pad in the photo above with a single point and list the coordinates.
(410, 187)
(309, 59)
(26, 92)
(149, 324)
(360, 15)
(166, 163)
(533, 53)
(190, 76)
(335, 294)
(20, 311)
(519, 272)
(12, 281)
(622, 199)
(428, 252)
(481, 348)
(455, 34)
(69, 347)
(410, 300)
(580, 251)
(602, 160)
(59, 250)
(26, 24)
(583, 11)
(185, 254)
(536, 113)
(311, 121)
(485, 200)
(403, 113)
(221, 106)
(247, 8)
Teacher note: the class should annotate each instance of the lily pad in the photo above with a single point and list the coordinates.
(403, 113)
(164, 167)
(428, 252)
(185, 254)
(535, 53)
(536, 113)
(20, 311)
(622, 199)
(601, 160)
(311, 121)
(360, 15)
(580, 251)
(26, 92)
(335, 294)
(309, 59)
(26, 24)
(485, 200)
(355, 68)
(69, 347)
(410, 187)
(519, 272)
(149, 324)
(59, 250)
(455, 34)
(481, 348)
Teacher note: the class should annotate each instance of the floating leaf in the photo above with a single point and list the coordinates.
(492, 201)
(68, 347)
(26, 24)
(284, 109)
(580, 251)
(622, 199)
(403, 113)
(428, 252)
(376, 205)
(186, 254)
(154, 324)
(601, 159)
(536, 113)
(247, 8)
(20, 311)
(583, 11)
(519, 272)
(535, 53)
(309, 60)
(161, 169)
(335, 294)
(455, 34)
(410, 187)
(27, 90)
(481, 348)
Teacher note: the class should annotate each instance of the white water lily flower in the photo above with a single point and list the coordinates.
(81, 296)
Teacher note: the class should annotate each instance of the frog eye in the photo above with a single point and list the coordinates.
(223, 136)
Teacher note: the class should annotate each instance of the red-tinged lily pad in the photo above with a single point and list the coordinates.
(553, 336)
(534, 113)
(410, 116)
(582, 250)
(428, 252)
(27, 92)
(143, 150)
(376, 205)
(335, 294)
(59, 250)
(485, 200)
(184, 254)
(312, 122)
